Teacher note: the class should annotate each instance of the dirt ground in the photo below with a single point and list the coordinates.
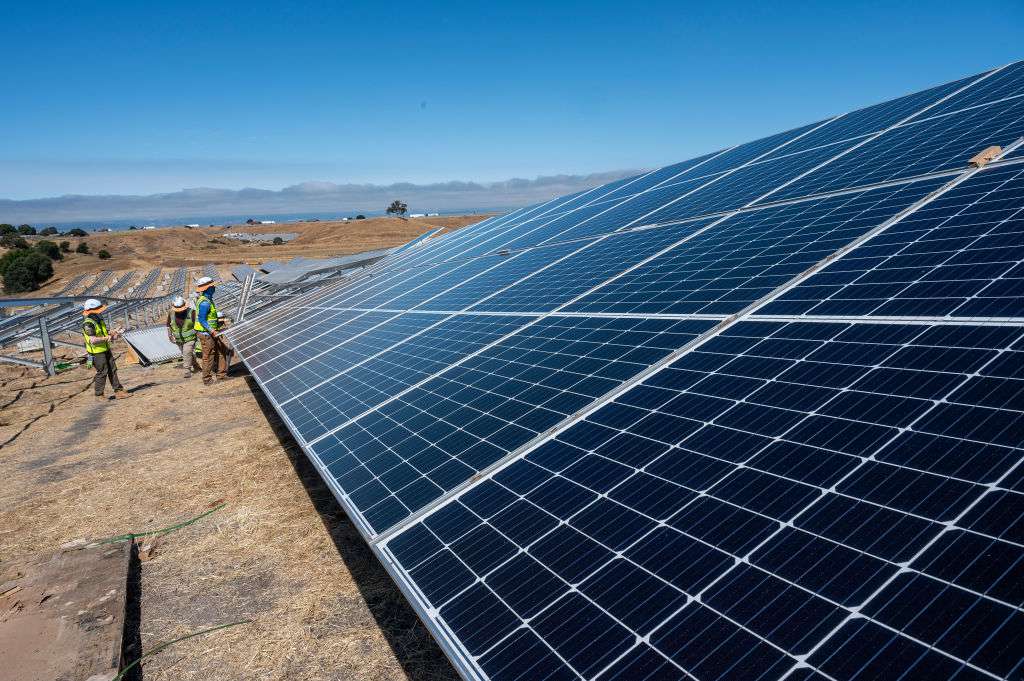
(281, 552)
(178, 246)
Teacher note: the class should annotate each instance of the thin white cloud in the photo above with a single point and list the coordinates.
(312, 197)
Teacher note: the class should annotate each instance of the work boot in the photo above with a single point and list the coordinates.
(121, 394)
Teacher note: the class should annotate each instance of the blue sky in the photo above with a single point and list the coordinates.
(130, 98)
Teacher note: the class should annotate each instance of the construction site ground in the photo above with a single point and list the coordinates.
(173, 247)
(280, 552)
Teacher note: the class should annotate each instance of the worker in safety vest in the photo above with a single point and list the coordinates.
(206, 326)
(97, 344)
(181, 330)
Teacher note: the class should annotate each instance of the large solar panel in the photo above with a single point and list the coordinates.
(756, 415)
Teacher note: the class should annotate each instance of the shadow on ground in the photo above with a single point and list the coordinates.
(131, 644)
(414, 648)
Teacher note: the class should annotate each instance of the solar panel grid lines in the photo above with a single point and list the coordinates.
(554, 311)
(861, 122)
(700, 483)
(650, 194)
(291, 347)
(318, 299)
(961, 257)
(1007, 79)
(903, 319)
(478, 239)
(505, 395)
(931, 196)
(373, 379)
(747, 255)
(832, 157)
(484, 275)
(919, 146)
(345, 424)
(458, 238)
(782, 527)
(673, 196)
(522, 239)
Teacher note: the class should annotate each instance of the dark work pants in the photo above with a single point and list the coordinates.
(215, 357)
(105, 370)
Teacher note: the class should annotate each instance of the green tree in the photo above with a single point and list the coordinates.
(103, 255)
(50, 250)
(7, 229)
(77, 232)
(24, 270)
(65, 246)
(278, 241)
(397, 208)
(49, 231)
(360, 217)
(27, 230)
(82, 248)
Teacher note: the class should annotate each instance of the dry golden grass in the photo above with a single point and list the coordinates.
(178, 246)
(281, 553)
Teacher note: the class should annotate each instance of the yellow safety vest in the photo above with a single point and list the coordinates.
(211, 316)
(99, 328)
(185, 332)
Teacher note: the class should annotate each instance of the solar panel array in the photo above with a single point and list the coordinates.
(757, 415)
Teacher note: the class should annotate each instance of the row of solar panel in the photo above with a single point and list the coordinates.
(806, 499)
(733, 265)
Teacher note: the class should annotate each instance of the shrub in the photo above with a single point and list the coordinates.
(76, 232)
(65, 246)
(24, 270)
(82, 248)
(50, 250)
(278, 241)
(49, 231)
(103, 255)
(7, 229)
(13, 241)
(360, 217)
(27, 230)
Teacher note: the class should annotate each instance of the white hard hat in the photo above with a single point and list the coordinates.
(203, 282)
(179, 303)
(92, 304)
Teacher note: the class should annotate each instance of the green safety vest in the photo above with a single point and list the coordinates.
(185, 332)
(211, 316)
(99, 328)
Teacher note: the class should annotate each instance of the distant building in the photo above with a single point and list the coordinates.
(432, 215)
(417, 215)
(149, 227)
(193, 225)
(268, 222)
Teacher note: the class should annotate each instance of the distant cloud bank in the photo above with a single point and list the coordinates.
(314, 197)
